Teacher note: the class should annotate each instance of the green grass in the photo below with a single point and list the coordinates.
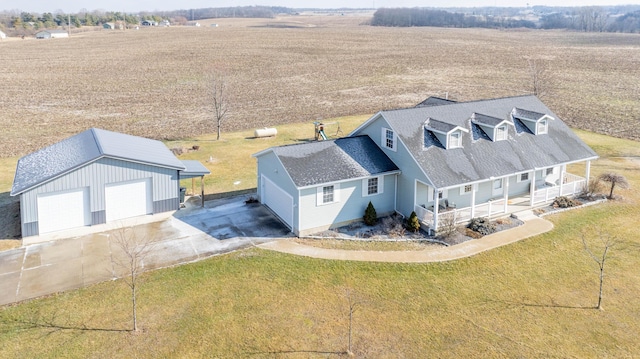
(531, 299)
(233, 168)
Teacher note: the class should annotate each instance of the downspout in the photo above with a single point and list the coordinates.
(395, 194)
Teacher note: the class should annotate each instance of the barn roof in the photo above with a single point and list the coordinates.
(76, 151)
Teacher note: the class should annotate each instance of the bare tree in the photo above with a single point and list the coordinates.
(353, 305)
(606, 242)
(447, 225)
(135, 248)
(220, 100)
(539, 77)
(615, 179)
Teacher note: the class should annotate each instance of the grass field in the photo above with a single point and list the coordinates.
(154, 82)
(531, 299)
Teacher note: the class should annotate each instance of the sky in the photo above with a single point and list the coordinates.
(74, 6)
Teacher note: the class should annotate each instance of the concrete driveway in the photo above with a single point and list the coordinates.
(189, 235)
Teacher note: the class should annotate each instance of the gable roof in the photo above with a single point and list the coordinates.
(480, 159)
(76, 151)
(315, 163)
(435, 101)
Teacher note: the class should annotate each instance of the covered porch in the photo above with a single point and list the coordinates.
(496, 197)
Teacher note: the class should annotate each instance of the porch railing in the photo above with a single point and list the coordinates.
(571, 185)
(462, 215)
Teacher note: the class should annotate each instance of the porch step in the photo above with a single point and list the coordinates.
(524, 215)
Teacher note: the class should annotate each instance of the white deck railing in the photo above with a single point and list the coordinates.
(572, 185)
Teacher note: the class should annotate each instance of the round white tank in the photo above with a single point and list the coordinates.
(265, 132)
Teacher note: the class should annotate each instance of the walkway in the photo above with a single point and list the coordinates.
(531, 227)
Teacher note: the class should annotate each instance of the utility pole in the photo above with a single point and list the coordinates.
(69, 25)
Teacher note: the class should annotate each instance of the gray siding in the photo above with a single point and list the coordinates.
(96, 175)
(402, 158)
(271, 167)
(350, 207)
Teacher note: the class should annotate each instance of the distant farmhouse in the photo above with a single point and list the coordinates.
(149, 23)
(51, 34)
(111, 26)
(2, 35)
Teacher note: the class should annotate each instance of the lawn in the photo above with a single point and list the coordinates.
(531, 299)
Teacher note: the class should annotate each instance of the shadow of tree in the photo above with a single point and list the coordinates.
(50, 324)
(9, 217)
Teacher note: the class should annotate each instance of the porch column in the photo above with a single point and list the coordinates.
(506, 194)
(532, 188)
(587, 171)
(561, 180)
(436, 205)
(202, 190)
(474, 187)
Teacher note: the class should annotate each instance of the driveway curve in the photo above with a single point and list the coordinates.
(532, 227)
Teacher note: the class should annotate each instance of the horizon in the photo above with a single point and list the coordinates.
(78, 6)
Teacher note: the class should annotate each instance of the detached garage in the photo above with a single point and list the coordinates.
(98, 177)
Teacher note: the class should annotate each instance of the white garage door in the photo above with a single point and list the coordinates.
(128, 199)
(278, 200)
(63, 210)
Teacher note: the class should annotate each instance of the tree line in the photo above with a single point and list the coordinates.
(24, 23)
(588, 19)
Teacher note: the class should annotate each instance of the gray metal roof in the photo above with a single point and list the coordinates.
(480, 158)
(76, 151)
(321, 162)
(193, 169)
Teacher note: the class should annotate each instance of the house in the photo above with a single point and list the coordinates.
(98, 177)
(2, 35)
(52, 34)
(455, 160)
(109, 26)
(149, 23)
(165, 23)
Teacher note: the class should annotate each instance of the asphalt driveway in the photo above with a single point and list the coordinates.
(189, 235)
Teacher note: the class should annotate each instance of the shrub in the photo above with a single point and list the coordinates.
(413, 223)
(481, 225)
(393, 226)
(370, 216)
(565, 202)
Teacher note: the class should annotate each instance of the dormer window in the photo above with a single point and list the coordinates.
(495, 128)
(455, 140)
(537, 123)
(501, 133)
(541, 127)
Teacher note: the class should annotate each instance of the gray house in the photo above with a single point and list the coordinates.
(459, 160)
(319, 185)
(98, 177)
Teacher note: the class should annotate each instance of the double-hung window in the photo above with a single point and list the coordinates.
(389, 139)
(328, 194)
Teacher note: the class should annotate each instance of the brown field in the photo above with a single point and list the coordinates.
(154, 82)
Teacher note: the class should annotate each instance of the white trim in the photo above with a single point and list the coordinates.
(344, 180)
(320, 194)
(365, 186)
(393, 139)
(505, 134)
(519, 177)
(496, 191)
(450, 144)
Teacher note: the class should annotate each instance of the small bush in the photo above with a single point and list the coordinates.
(565, 202)
(481, 225)
(370, 216)
(472, 234)
(413, 223)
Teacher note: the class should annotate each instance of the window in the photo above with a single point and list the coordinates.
(372, 186)
(523, 177)
(455, 140)
(549, 171)
(466, 189)
(388, 139)
(542, 127)
(501, 133)
(328, 194)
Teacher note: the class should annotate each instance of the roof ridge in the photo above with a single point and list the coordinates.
(96, 139)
